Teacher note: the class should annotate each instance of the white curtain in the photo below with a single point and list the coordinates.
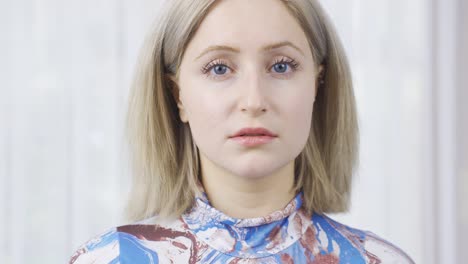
(65, 70)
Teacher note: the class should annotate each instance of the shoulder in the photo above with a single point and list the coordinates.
(145, 240)
(384, 250)
(103, 248)
(372, 247)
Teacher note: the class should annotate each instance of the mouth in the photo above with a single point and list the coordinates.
(254, 132)
(251, 137)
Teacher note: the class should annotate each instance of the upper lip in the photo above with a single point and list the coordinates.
(254, 131)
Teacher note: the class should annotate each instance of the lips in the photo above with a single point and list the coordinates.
(254, 131)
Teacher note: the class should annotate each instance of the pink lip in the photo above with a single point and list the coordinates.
(251, 141)
(253, 136)
(249, 131)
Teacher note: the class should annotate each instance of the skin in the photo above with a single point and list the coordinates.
(250, 88)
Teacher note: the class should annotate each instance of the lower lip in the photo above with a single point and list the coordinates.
(251, 141)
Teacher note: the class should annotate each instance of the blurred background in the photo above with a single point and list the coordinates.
(65, 70)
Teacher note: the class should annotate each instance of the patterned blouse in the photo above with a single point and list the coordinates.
(206, 235)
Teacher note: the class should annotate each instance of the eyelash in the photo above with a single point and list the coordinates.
(207, 69)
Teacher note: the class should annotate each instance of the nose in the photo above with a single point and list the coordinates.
(254, 95)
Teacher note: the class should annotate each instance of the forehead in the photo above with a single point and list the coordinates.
(249, 25)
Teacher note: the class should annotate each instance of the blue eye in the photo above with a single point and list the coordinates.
(280, 67)
(220, 69)
(215, 69)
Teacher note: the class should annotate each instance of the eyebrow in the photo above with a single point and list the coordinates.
(264, 48)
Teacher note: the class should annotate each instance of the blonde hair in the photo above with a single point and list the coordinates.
(164, 158)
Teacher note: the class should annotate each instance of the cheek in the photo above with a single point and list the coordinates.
(299, 114)
(202, 107)
(205, 114)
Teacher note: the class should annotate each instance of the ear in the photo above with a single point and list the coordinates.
(320, 76)
(175, 91)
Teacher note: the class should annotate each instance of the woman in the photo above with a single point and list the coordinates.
(244, 134)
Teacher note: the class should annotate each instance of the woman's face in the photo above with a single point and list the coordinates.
(248, 65)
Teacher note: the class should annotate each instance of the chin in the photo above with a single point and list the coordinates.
(257, 171)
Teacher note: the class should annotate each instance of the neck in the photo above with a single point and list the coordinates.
(243, 197)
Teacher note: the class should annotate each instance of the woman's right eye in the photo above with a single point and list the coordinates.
(215, 69)
(220, 69)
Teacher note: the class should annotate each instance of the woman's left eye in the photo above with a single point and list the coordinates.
(280, 66)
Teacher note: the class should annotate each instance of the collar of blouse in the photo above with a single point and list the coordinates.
(249, 237)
